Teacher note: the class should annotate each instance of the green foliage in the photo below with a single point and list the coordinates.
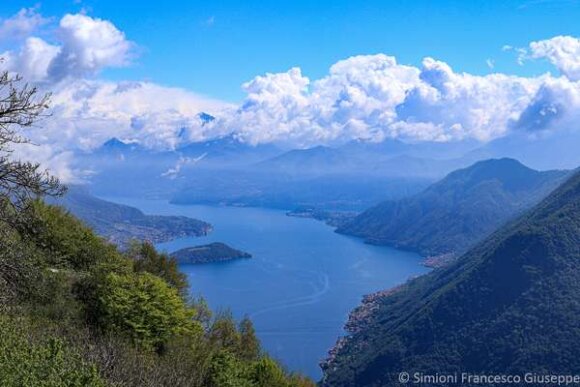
(243, 342)
(266, 372)
(203, 313)
(29, 360)
(249, 343)
(65, 241)
(147, 259)
(227, 371)
(224, 333)
(144, 307)
(55, 299)
(20, 267)
(98, 316)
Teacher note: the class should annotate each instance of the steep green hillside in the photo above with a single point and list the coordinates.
(509, 305)
(458, 211)
(74, 311)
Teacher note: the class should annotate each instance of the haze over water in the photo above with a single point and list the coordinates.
(301, 283)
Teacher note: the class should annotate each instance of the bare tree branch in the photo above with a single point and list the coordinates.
(21, 106)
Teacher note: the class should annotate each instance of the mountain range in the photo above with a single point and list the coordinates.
(351, 176)
(508, 306)
(454, 213)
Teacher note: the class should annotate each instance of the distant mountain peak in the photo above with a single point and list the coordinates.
(510, 172)
(205, 118)
(499, 167)
(114, 142)
(503, 162)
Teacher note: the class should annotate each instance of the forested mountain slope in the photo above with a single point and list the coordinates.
(509, 305)
(457, 211)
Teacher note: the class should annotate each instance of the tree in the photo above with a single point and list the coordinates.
(147, 259)
(266, 372)
(21, 106)
(226, 370)
(223, 332)
(249, 343)
(203, 313)
(145, 308)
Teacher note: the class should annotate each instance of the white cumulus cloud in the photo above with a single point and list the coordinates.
(362, 97)
(374, 97)
(32, 60)
(84, 46)
(88, 46)
(562, 51)
(22, 24)
(86, 113)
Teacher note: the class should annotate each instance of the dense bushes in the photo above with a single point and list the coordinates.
(147, 259)
(145, 308)
(79, 312)
(65, 242)
(29, 357)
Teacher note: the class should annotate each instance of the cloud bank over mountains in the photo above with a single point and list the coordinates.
(373, 97)
(85, 110)
(362, 97)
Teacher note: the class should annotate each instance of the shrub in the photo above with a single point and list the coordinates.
(228, 371)
(147, 259)
(29, 358)
(145, 308)
(249, 343)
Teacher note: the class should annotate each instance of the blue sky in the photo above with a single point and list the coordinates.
(213, 47)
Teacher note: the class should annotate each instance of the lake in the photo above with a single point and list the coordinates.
(301, 283)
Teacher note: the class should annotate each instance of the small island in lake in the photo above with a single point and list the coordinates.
(213, 252)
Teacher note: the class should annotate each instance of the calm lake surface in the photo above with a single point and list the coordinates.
(301, 283)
